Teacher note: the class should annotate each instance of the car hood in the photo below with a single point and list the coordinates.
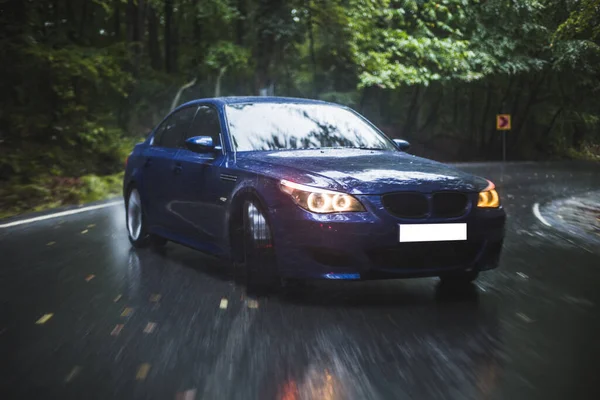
(359, 171)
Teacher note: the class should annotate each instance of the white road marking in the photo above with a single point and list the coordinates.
(44, 319)
(60, 214)
(150, 327)
(142, 372)
(73, 374)
(536, 212)
(223, 304)
(522, 275)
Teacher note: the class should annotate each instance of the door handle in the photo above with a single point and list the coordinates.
(178, 168)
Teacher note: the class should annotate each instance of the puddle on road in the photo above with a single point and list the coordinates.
(578, 216)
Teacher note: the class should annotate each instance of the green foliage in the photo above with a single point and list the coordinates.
(225, 54)
(84, 80)
(402, 43)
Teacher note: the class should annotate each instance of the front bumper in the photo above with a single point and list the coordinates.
(365, 245)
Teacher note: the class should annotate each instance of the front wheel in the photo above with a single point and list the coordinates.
(259, 252)
(136, 225)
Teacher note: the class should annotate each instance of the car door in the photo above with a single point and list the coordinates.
(198, 199)
(161, 169)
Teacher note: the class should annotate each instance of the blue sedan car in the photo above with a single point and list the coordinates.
(292, 188)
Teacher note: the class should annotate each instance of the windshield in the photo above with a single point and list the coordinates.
(288, 126)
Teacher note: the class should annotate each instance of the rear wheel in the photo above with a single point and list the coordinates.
(259, 252)
(136, 226)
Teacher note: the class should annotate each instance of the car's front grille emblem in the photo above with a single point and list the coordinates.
(420, 205)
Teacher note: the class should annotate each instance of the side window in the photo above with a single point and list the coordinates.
(206, 123)
(158, 135)
(172, 131)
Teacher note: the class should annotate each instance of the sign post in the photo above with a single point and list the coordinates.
(503, 124)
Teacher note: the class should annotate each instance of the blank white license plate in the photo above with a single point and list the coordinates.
(432, 232)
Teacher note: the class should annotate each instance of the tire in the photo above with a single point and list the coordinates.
(259, 252)
(136, 223)
(459, 278)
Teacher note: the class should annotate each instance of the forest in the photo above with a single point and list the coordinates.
(84, 80)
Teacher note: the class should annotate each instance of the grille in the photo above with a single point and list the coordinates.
(406, 205)
(449, 204)
(425, 255)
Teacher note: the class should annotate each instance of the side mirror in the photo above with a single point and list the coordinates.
(200, 144)
(402, 145)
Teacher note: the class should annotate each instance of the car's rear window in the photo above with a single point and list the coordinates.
(283, 126)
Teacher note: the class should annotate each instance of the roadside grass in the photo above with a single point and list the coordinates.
(48, 192)
(589, 152)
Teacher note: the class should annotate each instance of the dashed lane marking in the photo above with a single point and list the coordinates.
(524, 317)
(142, 372)
(187, 395)
(74, 372)
(89, 277)
(150, 327)
(116, 330)
(127, 311)
(60, 214)
(50, 243)
(117, 298)
(223, 304)
(155, 298)
(44, 319)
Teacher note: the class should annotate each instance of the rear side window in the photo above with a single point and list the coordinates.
(171, 132)
(206, 123)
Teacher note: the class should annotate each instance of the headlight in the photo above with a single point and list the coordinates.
(320, 200)
(489, 197)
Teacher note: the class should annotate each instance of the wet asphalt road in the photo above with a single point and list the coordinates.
(131, 324)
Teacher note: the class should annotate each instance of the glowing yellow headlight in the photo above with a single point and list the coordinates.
(320, 200)
(488, 198)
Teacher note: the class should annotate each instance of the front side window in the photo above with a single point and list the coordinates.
(172, 131)
(206, 123)
(287, 126)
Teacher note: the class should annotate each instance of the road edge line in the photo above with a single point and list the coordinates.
(538, 215)
(59, 214)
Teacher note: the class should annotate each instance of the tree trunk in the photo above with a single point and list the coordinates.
(484, 116)
(455, 107)
(531, 100)
(168, 36)
(117, 19)
(218, 83)
(56, 9)
(311, 46)
(578, 134)
(197, 26)
(180, 91)
(153, 44)
(141, 22)
(471, 125)
(540, 142)
(131, 20)
(432, 113)
(240, 29)
(410, 117)
(175, 39)
(83, 19)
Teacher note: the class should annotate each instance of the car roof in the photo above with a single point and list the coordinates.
(254, 99)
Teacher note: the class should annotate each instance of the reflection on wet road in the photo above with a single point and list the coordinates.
(84, 316)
